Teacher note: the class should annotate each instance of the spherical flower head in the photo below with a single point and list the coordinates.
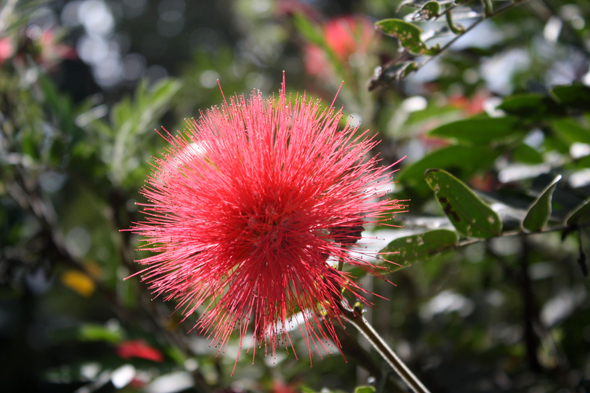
(249, 211)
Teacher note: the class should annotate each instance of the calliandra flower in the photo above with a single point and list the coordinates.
(247, 210)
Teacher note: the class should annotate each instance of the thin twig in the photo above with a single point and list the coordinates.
(355, 317)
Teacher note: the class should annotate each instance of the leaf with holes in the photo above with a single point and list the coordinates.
(409, 35)
(429, 10)
(407, 250)
(470, 216)
(540, 211)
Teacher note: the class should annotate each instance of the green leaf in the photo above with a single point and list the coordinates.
(576, 96)
(121, 113)
(415, 248)
(308, 30)
(462, 160)
(571, 130)
(468, 214)
(409, 35)
(364, 389)
(580, 215)
(526, 154)
(540, 211)
(478, 130)
(430, 10)
(532, 106)
(93, 332)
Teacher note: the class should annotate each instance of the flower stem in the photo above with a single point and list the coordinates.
(355, 317)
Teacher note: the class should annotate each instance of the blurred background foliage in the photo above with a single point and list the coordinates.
(493, 304)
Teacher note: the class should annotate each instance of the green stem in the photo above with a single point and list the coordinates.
(457, 29)
(489, 9)
(355, 317)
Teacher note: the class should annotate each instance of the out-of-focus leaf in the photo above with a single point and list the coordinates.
(93, 332)
(79, 282)
(465, 160)
(415, 248)
(121, 113)
(478, 130)
(526, 154)
(571, 130)
(576, 96)
(364, 389)
(466, 211)
(408, 34)
(532, 105)
(308, 30)
(540, 211)
(580, 215)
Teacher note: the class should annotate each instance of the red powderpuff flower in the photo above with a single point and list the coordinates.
(247, 205)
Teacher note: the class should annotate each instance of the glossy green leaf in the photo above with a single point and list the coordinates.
(526, 154)
(540, 211)
(571, 130)
(462, 160)
(531, 105)
(408, 34)
(576, 96)
(470, 216)
(415, 248)
(479, 130)
(580, 215)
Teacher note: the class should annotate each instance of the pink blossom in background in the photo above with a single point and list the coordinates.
(245, 209)
(345, 35)
(6, 49)
(51, 51)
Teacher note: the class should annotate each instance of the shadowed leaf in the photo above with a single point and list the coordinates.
(571, 130)
(478, 130)
(539, 212)
(462, 160)
(580, 215)
(526, 154)
(532, 105)
(466, 211)
(576, 96)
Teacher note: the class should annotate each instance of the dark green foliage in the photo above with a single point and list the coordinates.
(499, 304)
